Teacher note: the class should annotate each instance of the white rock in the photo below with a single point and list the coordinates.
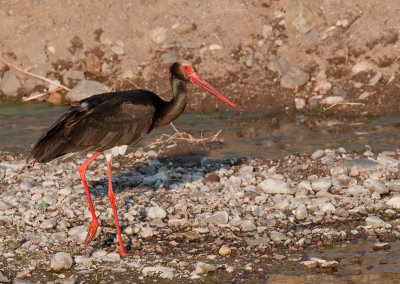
(362, 66)
(158, 35)
(394, 202)
(300, 103)
(220, 217)
(275, 186)
(317, 154)
(301, 212)
(331, 100)
(328, 207)
(214, 46)
(375, 186)
(156, 212)
(375, 221)
(202, 267)
(146, 232)
(322, 184)
(248, 226)
(112, 256)
(78, 233)
(375, 79)
(60, 261)
(161, 271)
(85, 89)
(277, 236)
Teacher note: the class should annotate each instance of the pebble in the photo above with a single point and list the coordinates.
(332, 100)
(169, 57)
(3, 278)
(301, 17)
(93, 64)
(248, 226)
(322, 184)
(61, 261)
(277, 236)
(301, 212)
(317, 154)
(224, 250)
(381, 246)
(220, 217)
(328, 208)
(375, 186)
(85, 89)
(129, 68)
(275, 186)
(375, 221)
(300, 103)
(294, 78)
(72, 76)
(158, 35)
(279, 65)
(394, 202)
(362, 66)
(10, 84)
(161, 271)
(375, 79)
(156, 212)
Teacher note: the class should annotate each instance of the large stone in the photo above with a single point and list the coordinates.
(220, 217)
(279, 65)
(362, 164)
(277, 236)
(156, 212)
(275, 186)
(375, 186)
(301, 17)
(10, 84)
(85, 89)
(375, 221)
(301, 212)
(60, 261)
(294, 78)
(129, 68)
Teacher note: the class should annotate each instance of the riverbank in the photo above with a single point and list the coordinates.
(267, 56)
(186, 217)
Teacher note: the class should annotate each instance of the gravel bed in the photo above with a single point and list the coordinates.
(192, 217)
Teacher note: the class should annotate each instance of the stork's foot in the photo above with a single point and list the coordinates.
(124, 253)
(91, 232)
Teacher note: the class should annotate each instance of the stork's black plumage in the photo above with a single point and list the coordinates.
(105, 122)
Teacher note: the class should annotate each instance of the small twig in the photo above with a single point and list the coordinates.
(335, 104)
(34, 75)
(39, 95)
(165, 138)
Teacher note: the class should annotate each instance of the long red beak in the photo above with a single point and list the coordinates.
(195, 78)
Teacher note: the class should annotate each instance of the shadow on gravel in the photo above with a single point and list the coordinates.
(196, 165)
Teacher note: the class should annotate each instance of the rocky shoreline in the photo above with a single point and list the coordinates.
(188, 218)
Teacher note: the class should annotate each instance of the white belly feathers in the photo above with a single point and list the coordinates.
(115, 151)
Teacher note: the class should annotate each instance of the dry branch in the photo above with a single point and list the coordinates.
(34, 75)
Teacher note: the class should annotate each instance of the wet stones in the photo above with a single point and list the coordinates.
(381, 246)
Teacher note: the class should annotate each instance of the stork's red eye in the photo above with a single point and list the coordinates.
(187, 69)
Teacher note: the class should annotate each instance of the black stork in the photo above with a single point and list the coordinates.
(109, 122)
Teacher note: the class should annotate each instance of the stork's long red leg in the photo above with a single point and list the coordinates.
(94, 225)
(111, 195)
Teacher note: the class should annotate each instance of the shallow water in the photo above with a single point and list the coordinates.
(250, 135)
(257, 135)
(358, 263)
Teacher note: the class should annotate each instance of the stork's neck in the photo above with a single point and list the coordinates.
(172, 109)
